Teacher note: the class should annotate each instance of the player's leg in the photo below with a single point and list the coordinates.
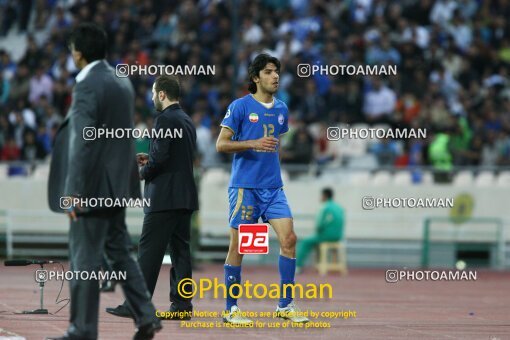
(241, 212)
(286, 308)
(233, 256)
(278, 214)
(232, 269)
(287, 260)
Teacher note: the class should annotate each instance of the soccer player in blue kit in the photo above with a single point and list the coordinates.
(250, 129)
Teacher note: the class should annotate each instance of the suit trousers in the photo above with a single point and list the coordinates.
(170, 228)
(89, 237)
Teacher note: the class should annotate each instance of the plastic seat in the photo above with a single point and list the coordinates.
(485, 178)
(402, 178)
(464, 177)
(337, 261)
(503, 179)
(381, 178)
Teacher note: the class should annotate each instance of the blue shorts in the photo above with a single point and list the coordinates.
(248, 205)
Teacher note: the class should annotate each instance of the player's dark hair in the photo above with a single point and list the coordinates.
(90, 40)
(258, 65)
(328, 192)
(169, 85)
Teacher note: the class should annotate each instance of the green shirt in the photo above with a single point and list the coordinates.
(439, 152)
(330, 220)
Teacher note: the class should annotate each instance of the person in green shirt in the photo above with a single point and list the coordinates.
(329, 227)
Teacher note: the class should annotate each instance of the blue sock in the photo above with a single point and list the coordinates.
(287, 268)
(232, 275)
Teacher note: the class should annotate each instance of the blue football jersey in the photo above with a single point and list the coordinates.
(249, 119)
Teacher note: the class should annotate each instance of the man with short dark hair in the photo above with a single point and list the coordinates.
(98, 168)
(329, 227)
(169, 183)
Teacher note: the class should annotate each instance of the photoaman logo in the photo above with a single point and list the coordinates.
(253, 239)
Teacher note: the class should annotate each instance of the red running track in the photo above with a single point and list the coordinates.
(404, 310)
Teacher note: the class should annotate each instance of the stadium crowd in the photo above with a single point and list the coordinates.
(453, 60)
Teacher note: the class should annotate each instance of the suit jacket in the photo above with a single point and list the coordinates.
(169, 181)
(100, 167)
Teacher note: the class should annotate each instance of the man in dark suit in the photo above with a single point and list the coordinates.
(169, 183)
(98, 168)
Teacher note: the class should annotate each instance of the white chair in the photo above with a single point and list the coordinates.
(42, 171)
(503, 179)
(382, 177)
(359, 177)
(485, 178)
(402, 178)
(3, 171)
(464, 177)
(427, 178)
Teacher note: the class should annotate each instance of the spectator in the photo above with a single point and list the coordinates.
(329, 227)
(20, 84)
(440, 117)
(473, 155)
(10, 150)
(460, 140)
(287, 47)
(51, 118)
(408, 108)
(386, 151)
(442, 12)
(440, 156)
(324, 151)
(460, 32)
(210, 157)
(311, 106)
(33, 54)
(252, 32)
(5, 130)
(203, 133)
(44, 139)
(300, 148)
(445, 82)
(40, 85)
(4, 89)
(380, 102)
(383, 54)
(32, 150)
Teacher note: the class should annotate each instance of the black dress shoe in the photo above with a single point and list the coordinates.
(178, 313)
(121, 311)
(147, 331)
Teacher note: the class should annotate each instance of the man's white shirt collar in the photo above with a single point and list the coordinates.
(84, 71)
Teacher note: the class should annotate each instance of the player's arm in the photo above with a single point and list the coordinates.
(227, 145)
(280, 150)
